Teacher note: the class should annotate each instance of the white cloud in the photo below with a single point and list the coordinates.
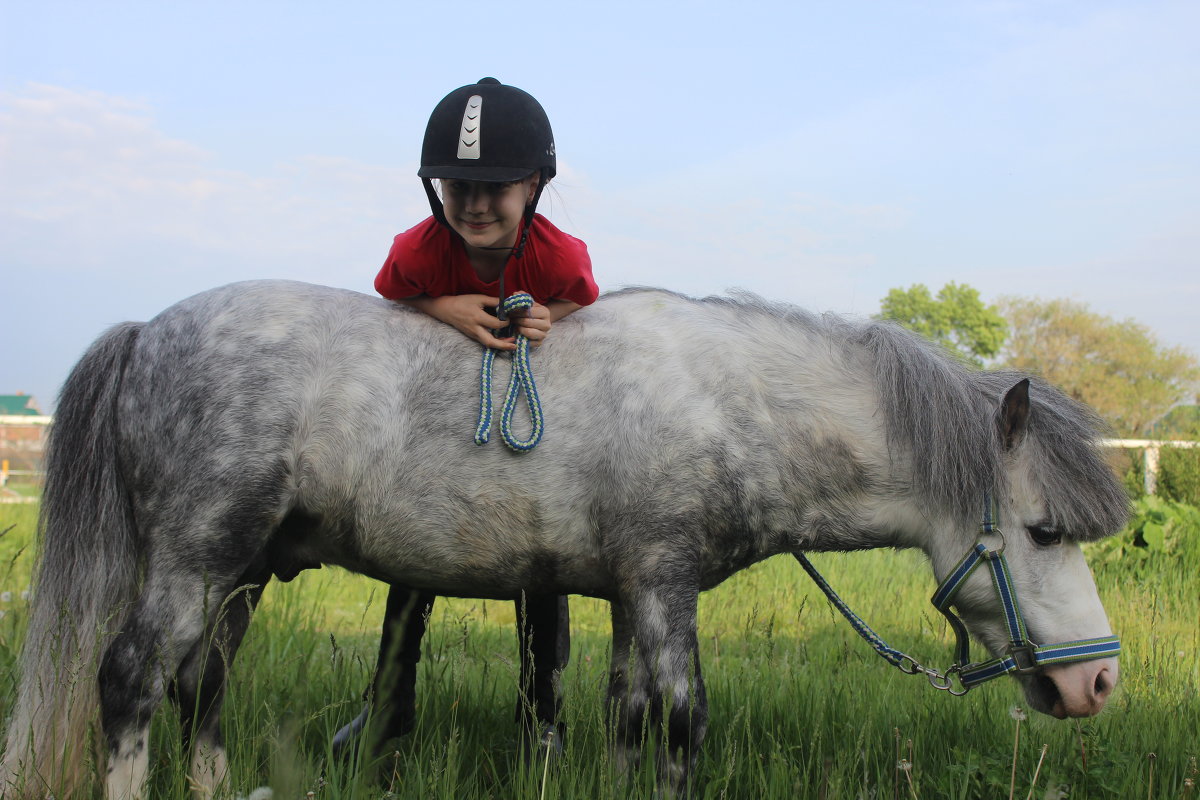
(93, 183)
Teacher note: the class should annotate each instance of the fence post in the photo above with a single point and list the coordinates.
(1150, 468)
(4, 472)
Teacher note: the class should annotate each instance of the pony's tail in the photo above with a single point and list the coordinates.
(87, 572)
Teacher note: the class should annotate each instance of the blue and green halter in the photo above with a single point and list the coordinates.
(1023, 657)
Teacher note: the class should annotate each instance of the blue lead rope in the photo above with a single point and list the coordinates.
(520, 380)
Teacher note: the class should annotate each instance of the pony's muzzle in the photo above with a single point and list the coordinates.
(1073, 690)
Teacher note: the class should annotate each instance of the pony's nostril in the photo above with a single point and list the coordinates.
(1103, 683)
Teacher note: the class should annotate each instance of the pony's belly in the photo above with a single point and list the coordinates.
(487, 573)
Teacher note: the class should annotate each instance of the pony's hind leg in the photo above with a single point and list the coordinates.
(165, 624)
(655, 678)
(199, 688)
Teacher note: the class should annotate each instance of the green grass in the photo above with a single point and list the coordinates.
(800, 707)
(18, 489)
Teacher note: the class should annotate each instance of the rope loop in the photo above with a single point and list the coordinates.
(520, 380)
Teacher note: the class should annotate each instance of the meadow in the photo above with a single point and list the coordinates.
(800, 707)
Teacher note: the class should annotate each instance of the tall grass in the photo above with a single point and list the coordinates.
(800, 707)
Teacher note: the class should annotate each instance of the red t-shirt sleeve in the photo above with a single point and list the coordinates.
(416, 264)
(564, 268)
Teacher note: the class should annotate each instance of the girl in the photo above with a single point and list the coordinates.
(492, 149)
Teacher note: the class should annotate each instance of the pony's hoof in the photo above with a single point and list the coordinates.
(550, 739)
(348, 735)
(383, 726)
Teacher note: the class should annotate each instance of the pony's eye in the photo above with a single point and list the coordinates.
(1044, 536)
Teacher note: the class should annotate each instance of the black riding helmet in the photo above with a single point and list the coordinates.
(487, 131)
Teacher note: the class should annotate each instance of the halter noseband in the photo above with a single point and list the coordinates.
(1023, 657)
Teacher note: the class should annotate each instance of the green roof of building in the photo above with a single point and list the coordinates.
(15, 405)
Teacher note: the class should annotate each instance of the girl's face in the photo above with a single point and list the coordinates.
(487, 214)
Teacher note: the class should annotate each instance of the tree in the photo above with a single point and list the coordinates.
(956, 319)
(1116, 367)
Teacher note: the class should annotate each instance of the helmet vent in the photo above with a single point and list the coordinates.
(468, 137)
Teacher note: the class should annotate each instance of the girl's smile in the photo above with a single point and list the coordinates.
(487, 214)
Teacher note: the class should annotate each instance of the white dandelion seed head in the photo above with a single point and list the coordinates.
(1017, 713)
(5, 597)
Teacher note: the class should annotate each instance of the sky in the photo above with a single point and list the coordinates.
(811, 152)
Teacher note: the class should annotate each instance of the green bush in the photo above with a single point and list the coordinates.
(1134, 474)
(1179, 474)
(1160, 530)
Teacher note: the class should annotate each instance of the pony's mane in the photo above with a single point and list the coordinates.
(946, 415)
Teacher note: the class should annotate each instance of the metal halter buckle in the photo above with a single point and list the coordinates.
(1025, 658)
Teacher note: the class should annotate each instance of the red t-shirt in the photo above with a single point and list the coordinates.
(428, 260)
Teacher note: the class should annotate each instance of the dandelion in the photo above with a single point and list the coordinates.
(5, 597)
(261, 793)
(1017, 713)
(905, 766)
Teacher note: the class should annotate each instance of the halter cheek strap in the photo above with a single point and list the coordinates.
(1023, 657)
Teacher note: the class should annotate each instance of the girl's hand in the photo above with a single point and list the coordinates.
(468, 314)
(533, 323)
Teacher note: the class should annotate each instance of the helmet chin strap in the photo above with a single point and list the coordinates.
(435, 203)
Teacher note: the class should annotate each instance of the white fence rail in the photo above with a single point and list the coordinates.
(1150, 449)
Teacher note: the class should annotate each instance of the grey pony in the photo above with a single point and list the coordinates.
(267, 424)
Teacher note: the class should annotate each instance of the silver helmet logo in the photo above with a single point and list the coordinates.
(468, 137)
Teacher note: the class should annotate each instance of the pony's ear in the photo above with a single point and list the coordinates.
(1014, 414)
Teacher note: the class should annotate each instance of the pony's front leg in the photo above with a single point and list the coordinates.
(165, 623)
(658, 680)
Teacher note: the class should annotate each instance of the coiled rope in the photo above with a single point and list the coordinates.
(521, 379)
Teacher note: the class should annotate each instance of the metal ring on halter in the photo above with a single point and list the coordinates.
(937, 680)
(990, 553)
(950, 673)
